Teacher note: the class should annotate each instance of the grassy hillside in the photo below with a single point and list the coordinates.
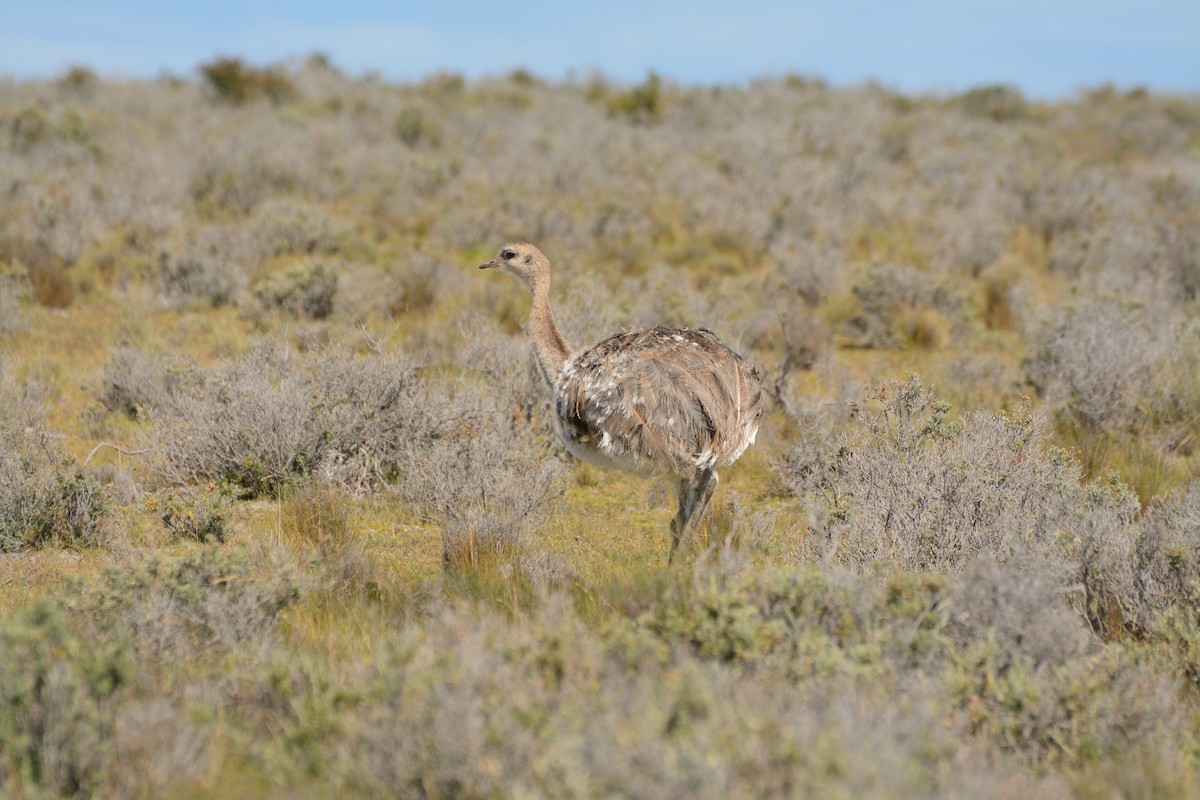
(282, 509)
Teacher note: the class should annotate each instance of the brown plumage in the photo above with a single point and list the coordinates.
(660, 402)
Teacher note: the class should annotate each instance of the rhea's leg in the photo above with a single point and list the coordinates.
(694, 497)
(680, 521)
(703, 487)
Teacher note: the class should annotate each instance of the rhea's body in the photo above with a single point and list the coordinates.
(658, 402)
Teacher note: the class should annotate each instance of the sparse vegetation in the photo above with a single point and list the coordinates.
(246, 349)
(44, 499)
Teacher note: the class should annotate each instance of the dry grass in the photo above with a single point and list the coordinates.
(315, 524)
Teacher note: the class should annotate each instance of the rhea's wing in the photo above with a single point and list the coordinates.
(676, 398)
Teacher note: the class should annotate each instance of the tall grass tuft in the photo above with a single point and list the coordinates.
(315, 524)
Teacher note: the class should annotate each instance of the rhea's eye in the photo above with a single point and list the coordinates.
(507, 254)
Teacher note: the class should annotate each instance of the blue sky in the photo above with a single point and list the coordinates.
(1048, 49)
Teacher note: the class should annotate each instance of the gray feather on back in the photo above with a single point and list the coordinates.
(672, 399)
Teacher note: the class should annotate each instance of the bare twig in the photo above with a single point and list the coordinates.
(376, 345)
(120, 450)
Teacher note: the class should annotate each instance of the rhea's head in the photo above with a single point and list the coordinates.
(523, 260)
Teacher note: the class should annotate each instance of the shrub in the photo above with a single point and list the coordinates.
(51, 284)
(303, 291)
(73, 510)
(234, 81)
(508, 367)
(642, 104)
(481, 706)
(289, 227)
(119, 483)
(1166, 558)
(923, 330)
(229, 186)
(367, 293)
(808, 271)
(78, 80)
(923, 492)
(57, 229)
(803, 337)
(1079, 711)
(413, 127)
(44, 500)
(998, 103)
(58, 695)
(138, 384)
(1023, 610)
(160, 750)
(899, 305)
(14, 290)
(201, 517)
(205, 601)
(486, 482)
(815, 624)
(269, 418)
(207, 271)
(1100, 379)
(1177, 632)
(1013, 654)
(248, 422)
(27, 127)
(74, 719)
(1003, 294)
(804, 466)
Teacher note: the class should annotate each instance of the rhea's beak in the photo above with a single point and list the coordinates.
(488, 265)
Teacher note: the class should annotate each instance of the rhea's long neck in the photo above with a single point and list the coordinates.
(548, 343)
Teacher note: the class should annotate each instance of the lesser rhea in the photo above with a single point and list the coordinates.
(658, 402)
